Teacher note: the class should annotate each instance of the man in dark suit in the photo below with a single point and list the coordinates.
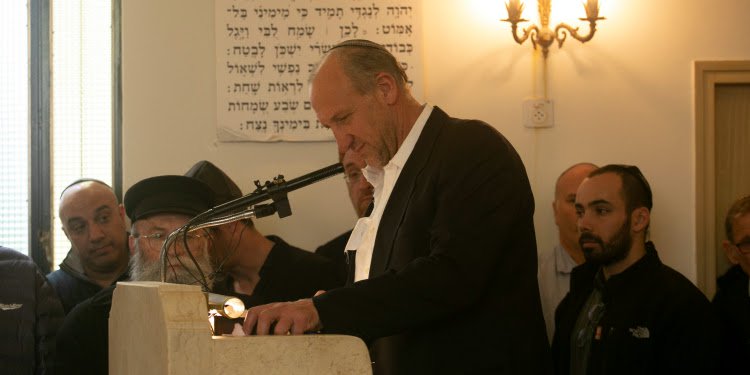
(445, 267)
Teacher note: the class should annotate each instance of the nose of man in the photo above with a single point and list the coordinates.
(364, 186)
(96, 233)
(343, 141)
(582, 223)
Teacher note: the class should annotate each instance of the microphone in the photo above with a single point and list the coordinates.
(276, 190)
(315, 176)
(247, 206)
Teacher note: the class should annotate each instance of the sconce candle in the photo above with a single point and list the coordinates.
(592, 9)
(515, 9)
(543, 35)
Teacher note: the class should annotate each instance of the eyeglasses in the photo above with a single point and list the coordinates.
(743, 247)
(157, 240)
(352, 177)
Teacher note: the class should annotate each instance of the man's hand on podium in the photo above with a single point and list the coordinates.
(283, 318)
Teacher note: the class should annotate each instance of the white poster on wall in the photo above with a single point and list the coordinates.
(266, 50)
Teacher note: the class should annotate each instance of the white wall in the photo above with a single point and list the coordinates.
(169, 118)
(624, 97)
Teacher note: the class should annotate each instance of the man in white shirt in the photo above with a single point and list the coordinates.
(555, 266)
(445, 265)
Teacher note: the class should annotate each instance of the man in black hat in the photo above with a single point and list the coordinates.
(156, 206)
(259, 269)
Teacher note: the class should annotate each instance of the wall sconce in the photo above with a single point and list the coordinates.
(543, 35)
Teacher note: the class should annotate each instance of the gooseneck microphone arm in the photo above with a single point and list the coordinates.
(276, 188)
(248, 206)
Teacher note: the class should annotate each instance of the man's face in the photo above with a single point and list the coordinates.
(360, 123)
(146, 240)
(95, 225)
(225, 244)
(564, 204)
(360, 191)
(740, 235)
(603, 221)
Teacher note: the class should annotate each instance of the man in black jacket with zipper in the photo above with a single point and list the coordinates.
(30, 315)
(626, 312)
(94, 222)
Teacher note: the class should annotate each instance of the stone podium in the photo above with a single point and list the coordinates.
(159, 328)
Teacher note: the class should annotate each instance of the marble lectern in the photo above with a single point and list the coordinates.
(159, 328)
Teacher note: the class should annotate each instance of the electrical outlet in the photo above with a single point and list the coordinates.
(538, 113)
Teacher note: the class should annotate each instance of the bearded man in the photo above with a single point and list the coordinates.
(156, 207)
(626, 312)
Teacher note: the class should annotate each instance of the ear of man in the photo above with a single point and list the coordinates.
(386, 87)
(730, 251)
(121, 212)
(640, 218)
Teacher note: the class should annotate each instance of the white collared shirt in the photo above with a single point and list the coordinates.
(554, 283)
(383, 180)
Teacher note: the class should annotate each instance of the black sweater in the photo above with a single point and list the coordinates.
(655, 322)
(30, 315)
(732, 305)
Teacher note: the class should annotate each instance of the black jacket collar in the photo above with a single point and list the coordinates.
(583, 275)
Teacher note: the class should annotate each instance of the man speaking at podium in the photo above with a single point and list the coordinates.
(445, 265)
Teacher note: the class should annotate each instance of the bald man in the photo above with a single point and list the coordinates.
(94, 222)
(555, 266)
(444, 269)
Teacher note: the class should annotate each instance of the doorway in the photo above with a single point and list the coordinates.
(722, 99)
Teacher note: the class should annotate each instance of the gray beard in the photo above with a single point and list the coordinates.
(141, 270)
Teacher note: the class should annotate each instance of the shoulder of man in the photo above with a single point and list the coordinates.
(20, 278)
(287, 251)
(70, 272)
(302, 264)
(334, 249)
(7, 254)
(84, 335)
(468, 132)
(675, 284)
(734, 281)
(93, 308)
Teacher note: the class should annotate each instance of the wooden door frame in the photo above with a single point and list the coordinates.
(708, 74)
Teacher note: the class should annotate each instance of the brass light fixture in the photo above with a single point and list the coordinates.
(231, 307)
(543, 35)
